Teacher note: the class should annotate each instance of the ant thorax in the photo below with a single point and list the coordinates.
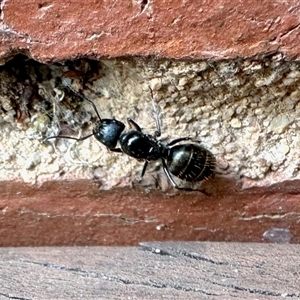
(140, 146)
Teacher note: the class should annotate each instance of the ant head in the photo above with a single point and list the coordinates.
(108, 131)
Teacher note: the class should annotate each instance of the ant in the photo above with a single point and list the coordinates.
(189, 161)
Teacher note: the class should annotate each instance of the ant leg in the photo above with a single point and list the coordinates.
(179, 140)
(117, 150)
(144, 170)
(68, 137)
(184, 139)
(174, 183)
(133, 124)
(169, 175)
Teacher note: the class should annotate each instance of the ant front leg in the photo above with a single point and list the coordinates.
(134, 124)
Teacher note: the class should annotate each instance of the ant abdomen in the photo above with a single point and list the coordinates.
(191, 162)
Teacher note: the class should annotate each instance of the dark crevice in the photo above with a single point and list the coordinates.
(201, 258)
(13, 297)
(289, 30)
(285, 33)
(143, 5)
(253, 291)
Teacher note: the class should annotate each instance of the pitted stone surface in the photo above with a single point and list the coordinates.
(171, 29)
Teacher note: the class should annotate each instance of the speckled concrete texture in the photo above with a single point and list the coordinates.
(246, 112)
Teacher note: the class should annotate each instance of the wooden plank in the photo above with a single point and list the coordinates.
(172, 270)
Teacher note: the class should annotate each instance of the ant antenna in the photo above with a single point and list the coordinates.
(85, 99)
(69, 137)
(157, 133)
(82, 97)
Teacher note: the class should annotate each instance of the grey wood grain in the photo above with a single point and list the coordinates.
(169, 270)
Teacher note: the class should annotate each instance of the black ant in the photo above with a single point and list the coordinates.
(189, 161)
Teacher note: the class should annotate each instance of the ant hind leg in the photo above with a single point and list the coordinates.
(175, 185)
(143, 171)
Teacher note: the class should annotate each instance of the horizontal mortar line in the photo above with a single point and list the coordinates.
(88, 214)
(275, 217)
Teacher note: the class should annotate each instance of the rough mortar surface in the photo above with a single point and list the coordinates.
(245, 111)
